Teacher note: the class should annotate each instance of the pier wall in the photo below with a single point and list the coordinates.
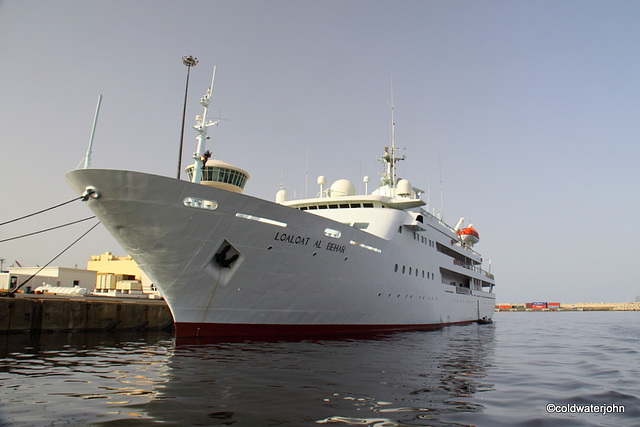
(32, 315)
(582, 306)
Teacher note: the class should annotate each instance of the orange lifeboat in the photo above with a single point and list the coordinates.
(468, 236)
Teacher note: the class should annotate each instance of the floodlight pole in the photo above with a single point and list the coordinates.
(189, 61)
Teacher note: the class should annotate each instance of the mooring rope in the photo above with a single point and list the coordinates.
(42, 211)
(54, 258)
(47, 229)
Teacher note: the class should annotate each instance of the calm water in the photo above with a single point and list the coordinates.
(486, 375)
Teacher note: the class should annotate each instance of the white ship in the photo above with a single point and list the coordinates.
(231, 265)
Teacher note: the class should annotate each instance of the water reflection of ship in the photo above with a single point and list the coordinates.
(389, 379)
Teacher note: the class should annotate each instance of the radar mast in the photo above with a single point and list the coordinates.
(200, 156)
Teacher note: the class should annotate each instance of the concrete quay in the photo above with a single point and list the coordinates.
(603, 306)
(37, 313)
(581, 306)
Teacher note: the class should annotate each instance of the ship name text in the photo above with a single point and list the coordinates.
(292, 238)
(304, 241)
(335, 248)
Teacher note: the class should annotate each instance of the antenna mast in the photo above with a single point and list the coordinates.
(201, 126)
(392, 155)
(441, 213)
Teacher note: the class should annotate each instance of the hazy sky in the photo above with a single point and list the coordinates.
(528, 111)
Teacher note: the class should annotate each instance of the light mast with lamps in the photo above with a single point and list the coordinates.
(189, 61)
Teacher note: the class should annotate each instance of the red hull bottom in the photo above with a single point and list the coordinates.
(238, 330)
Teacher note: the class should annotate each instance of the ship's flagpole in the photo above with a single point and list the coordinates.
(87, 158)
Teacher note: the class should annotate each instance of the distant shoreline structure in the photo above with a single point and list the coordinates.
(581, 306)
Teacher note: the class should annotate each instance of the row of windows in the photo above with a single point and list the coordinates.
(408, 296)
(411, 271)
(337, 206)
(229, 176)
(424, 240)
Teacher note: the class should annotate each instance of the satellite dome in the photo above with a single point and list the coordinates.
(342, 187)
(404, 187)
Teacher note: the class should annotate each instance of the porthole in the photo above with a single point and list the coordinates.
(403, 267)
(395, 269)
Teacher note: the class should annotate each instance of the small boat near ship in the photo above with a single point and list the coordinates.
(485, 321)
(232, 265)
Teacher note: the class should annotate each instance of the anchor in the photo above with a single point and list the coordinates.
(222, 260)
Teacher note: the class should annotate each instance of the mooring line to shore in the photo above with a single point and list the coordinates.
(54, 258)
(39, 212)
(47, 229)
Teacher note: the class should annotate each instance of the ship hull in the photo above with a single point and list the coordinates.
(185, 329)
(233, 265)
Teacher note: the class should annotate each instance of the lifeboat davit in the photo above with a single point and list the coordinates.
(468, 236)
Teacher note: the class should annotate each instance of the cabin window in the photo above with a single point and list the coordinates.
(362, 245)
(322, 206)
(261, 219)
(367, 205)
(355, 205)
(344, 205)
(218, 174)
(333, 206)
